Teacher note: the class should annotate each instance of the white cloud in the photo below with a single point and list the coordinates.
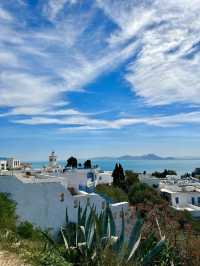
(5, 15)
(130, 16)
(54, 7)
(84, 123)
(39, 67)
(158, 75)
(8, 59)
(20, 89)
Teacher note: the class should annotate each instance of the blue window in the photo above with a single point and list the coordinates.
(198, 200)
(177, 200)
(91, 176)
(193, 201)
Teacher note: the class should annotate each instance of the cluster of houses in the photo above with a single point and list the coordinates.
(9, 164)
(43, 195)
(182, 192)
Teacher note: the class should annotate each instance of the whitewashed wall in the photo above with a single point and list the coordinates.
(149, 180)
(40, 203)
(185, 198)
(104, 178)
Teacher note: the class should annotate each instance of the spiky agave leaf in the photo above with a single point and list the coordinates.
(76, 235)
(79, 213)
(91, 232)
(82, 228)
(88, 223)
(118, 246)
(135, 233)
(135, 246)
(148, 259)
(65, 239)
(66, 217)
(105, 221)
(49, 238)
(111, 222)
(147, 244)
(83, 218)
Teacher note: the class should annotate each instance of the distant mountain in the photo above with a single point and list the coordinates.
(150, 156)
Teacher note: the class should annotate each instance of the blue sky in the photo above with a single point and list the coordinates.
(101, 77)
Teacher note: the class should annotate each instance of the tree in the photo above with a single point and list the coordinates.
(118, 176)
(87, 164)
(115, 175)
(121, 177)
(72, 162)
(164, 173)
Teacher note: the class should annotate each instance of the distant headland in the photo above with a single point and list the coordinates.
(150, 156)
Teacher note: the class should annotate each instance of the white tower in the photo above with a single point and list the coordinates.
(52, 160)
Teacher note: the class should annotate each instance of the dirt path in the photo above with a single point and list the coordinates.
(7, 259)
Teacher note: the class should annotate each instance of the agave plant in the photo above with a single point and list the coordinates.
(93, 234)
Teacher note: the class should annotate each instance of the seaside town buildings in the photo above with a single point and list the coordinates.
(3, 164)
(9, 164)
(42, 196)
(182, 193)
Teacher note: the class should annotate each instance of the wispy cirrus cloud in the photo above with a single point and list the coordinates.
(166, 69)
(5, 15)
(82, 122)
(42, 64)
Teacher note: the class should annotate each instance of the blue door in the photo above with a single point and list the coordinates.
(193, 201)
(177, 200)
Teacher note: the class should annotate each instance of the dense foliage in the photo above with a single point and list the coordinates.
(118, 176)
(133, 191)
(164, 173)
(112, 193)
(72, 162)
(142, 193)
(87, 164)
(7, 213)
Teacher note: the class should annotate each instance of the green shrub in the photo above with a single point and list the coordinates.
(131, 179)
(27, 231)
(116, 194)
(7, 213)
(141, 193)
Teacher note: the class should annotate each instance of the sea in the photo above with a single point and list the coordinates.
(181, 166)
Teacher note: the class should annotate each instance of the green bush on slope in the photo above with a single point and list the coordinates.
(116, 194)
(7, 213)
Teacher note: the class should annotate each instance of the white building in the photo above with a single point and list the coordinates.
(77, 178)
(182, 194)
(104, 177)
(3, 165)
(149, 180)
(53, 160)
(43, 200)
(12, 163)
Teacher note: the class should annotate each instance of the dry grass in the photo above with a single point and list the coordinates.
(8, 259)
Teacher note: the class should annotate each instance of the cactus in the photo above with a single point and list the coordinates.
(96, 233)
